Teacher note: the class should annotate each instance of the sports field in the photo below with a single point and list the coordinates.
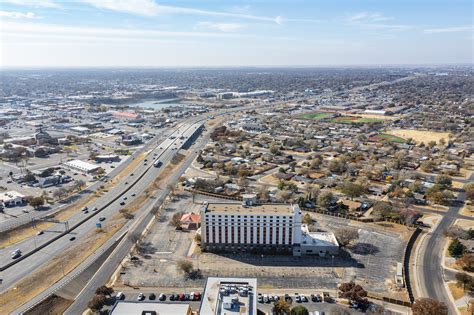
(418, 136)
(315, 115)
(356, 120)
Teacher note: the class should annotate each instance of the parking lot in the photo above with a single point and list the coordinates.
(371, 265)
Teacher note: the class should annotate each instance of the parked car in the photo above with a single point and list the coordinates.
(140, 297)
(304, 299)
(102, 219)
(152, 296)
(162, 297)
(40, 233)
(122, 203)
(260, 299)
(120, 296)
(95, 209)
(72, 238)
(172, 297)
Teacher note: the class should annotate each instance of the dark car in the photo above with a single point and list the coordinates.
(162, 297)
(72, 238)
(122, 203)
(134, 194)
(181, 297)
(102, 219)
(152, 296)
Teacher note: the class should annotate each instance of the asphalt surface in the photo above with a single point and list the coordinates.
(31, 263)
(15, 222)
(123, 249)
(432, 273)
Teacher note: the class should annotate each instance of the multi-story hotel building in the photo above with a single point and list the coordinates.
(234, 226)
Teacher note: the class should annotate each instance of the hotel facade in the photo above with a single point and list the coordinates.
(261, 228)
(233, 226)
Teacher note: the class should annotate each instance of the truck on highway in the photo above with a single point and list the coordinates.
(157, 163)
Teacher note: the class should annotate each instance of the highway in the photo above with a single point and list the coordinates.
(165, 152)
(25, 219)
(430, 271)
(123, 249)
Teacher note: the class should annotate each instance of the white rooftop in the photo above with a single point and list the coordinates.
(213, 301)
(317, 238)
(139, 308)
(86, 166)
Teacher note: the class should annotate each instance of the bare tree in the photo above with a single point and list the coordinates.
(346, 236)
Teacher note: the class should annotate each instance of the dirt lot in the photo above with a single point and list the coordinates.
(420, 135)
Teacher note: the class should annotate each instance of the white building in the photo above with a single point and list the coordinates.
(81, 166)
(229, 296)
(274, 228)
(317, 243)
(11, 199)
(233, 226)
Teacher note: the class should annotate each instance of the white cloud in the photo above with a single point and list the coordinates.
(34, 3)
(368, 17)
(223, 27)
(454, 29)
(50, 30)
(151, 8)
(17, 15)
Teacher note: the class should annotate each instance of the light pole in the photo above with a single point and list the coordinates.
(332, 265)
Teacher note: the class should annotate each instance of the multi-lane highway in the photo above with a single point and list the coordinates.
(26, 218)
(107, 205)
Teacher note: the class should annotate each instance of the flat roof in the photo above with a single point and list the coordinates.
(317, 238)
(212, 302)
(82, 165)
(259, 209)
(137, 308)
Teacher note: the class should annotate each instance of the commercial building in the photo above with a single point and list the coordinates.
(259, 227)
(11, 199)
(317, 243)
(229, 296)
(81, 166)
(150, 308)
(272, 228)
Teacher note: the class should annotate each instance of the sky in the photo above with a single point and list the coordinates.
(210, 33)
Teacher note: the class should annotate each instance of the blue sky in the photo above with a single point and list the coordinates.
(234, 33)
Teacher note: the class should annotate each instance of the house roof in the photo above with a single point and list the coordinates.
(190, 218)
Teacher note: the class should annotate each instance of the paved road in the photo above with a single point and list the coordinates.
(431, 271)
(107, 269)
(24, 219)
(28, 265)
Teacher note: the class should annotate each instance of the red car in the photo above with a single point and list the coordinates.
(181, 297)
(197, 296)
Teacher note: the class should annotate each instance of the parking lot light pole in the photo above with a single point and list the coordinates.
(332, 265)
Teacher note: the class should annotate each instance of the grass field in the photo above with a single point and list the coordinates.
(315, 115)
(391, 138)
(419, 136)
(356, 120)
